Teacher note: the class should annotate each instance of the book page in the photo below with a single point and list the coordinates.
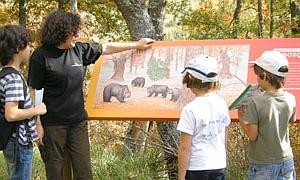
(38, 98)
(244, 97)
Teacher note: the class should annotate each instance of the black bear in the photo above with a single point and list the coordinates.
(117, 90)
(138, 82)
(175, 94)
(158, 89)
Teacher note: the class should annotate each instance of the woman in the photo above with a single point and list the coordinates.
(58, 67)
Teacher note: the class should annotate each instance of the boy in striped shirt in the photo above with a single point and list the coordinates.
(14, 50)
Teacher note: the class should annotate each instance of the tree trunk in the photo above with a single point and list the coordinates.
(260, 19)
(137, 18)
(225, 71)
(22, 13)
(167, 130)
(236, 19)
(139, 25)
(295, 17)
(170, 138)
(169, 60)
(119, 67)
(156, 10)
(74, 6)
(61, 5)
(147, 21)
(135, 140)
(271, 18)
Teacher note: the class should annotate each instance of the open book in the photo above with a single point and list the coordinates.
(244, 97)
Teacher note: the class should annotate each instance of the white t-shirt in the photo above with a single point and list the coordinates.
(205, 119)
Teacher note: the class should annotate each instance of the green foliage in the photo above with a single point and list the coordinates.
(109, 164)
(235, 172)
(8, 13)
(176, 10)
(157, 69)
(213, 19)
(38, 170)
(179, 10)
(3, 173)
(295, 143)
(101, 18)
(237, 151)
(207, 22)
(104, 20)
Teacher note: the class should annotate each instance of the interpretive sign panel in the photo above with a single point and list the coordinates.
(147, 85)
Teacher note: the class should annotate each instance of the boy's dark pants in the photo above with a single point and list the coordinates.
(216, 174)
(71, 138)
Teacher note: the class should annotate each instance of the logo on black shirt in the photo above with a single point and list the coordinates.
(76, 65)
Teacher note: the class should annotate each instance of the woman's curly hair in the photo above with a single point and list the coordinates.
(58, 26)
(13, 38)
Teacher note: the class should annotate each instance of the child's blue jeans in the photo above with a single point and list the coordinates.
(214, 174)
(278, 171)
(19, 160)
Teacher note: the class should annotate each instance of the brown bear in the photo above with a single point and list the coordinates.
(158, 89)
(175, 93)
(117, 90)
(138, 82)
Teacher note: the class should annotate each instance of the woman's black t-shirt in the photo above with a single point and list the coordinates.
(61, 73)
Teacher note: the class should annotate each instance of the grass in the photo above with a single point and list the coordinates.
(236, 173)
(109, 161)
(3, 173)
(108, 164)
(38, 171)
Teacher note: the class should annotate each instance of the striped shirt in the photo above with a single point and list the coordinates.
(11, 90)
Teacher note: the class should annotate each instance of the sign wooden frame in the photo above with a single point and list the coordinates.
(290, 47)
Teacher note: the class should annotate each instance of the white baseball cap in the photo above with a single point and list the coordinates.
(272, 61)
(201, 66)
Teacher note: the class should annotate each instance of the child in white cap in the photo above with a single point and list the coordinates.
(265, 121)
(202, 152)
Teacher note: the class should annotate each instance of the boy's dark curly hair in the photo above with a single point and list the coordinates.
(12, 39)
(58, 26)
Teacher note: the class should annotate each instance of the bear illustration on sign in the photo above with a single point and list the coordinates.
(117, 90)
(138, 82)
(175, 93)
(158, 89)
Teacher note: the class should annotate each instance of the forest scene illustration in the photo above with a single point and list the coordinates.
(152, 79)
